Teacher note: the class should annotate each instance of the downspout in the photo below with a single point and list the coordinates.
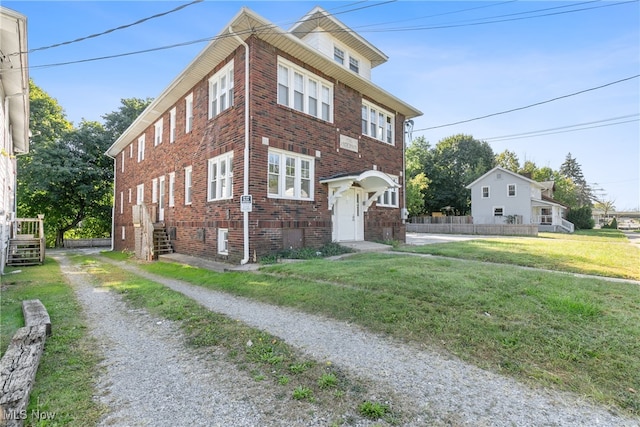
(245, 215)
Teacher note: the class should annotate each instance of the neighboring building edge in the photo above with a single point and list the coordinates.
(14, 116)
(314, 156)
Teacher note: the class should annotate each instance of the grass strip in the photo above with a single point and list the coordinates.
(596, 252)
(574, 334)
(264, 356)
(64, 387)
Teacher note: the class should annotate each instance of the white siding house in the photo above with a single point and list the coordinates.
(501, 196)
(14, 115)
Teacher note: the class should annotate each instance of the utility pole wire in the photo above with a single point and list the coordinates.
(530, 105)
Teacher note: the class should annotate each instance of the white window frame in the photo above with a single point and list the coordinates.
(221, 90)
(131, 150)
(188, 187)
(123, 233)
(130, 195)
(223, 241)
(141, 146)
(157, 137)
(172, 189)
(482, 192)
(219, 183)
(154, 190)
(354, 64)
(172, 125)
(389, 199)
(338, 55)
(188, 113)
(121, 202)
(122, 164)
(378, 123)
(495, 211)
(140, 194)
(282, 176)
(515, 191)
(295, 91)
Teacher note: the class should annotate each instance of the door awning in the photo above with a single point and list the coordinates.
(371, 181)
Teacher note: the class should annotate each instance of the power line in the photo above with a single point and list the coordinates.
(140, 21)
(555, 131)
(530, 105)
(265, 28)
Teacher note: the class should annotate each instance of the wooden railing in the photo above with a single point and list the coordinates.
(28, 234)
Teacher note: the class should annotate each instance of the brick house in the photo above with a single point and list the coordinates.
(315, 155)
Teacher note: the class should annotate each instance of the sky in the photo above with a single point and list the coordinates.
(539, 78)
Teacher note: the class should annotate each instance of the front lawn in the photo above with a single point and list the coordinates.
(596, 252)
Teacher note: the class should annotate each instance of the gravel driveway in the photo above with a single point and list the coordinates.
(151, 379)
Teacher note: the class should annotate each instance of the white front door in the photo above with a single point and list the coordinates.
(161, 199)
(348, 224)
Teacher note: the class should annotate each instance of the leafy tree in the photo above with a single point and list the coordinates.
(416, 187)
(456, 161)
(572, 169)
(581, 218)
(116, 122)
(508, 160)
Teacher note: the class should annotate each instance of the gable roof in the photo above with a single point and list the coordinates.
(15, 75)
(320, 18)
(242, 26)
(507, 171)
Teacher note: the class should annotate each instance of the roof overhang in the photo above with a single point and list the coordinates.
(370, 181)
(538, 202)
(245, 24)
(15, 75)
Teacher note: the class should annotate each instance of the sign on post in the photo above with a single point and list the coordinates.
(246, 203)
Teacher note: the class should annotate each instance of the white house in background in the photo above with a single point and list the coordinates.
(501, 196)
(14, 115)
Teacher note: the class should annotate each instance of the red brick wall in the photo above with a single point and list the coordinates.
(286, 129)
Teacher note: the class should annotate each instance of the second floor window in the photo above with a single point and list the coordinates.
(377, 123)
(141, 144)
(188, 113)
(187, 185)
(221, 90)
(304, 91)
(511, 190)
(485, 192)
(158, 132)
(172, 125)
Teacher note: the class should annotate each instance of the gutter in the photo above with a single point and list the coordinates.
(245, 215)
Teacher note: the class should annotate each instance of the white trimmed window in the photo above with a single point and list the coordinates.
(389, 198)
(220, 181)
(498, 211)
(338, 55)
(122, 162)
(377, 123)
(354, 64)
(130, 195)
(141, 144)
(172, 189)
(172, 125)
(140, 194)
(511, 190)
(131, 150)
(221, 90)
(223, 241)
(121, 202)
(290, 175)
(161, 191)
(123, 233)
(485, 192)
(187, 185)
(158, 132)
(154, 190)
(188, 113)
(304, 91)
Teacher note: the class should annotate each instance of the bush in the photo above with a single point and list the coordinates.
(613, 224)
(581, 218)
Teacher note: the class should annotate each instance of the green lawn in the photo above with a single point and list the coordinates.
(65, 378)
(596, 252)
(576, 334)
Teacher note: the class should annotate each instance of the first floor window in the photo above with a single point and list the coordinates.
(123, 233)
(290, 175)
(154, 190)
(140, 194)
(498, 211)
(223, 241)
(390, 197)
(220, 182)
(187, 185)
(121, 202)
(172, 189)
